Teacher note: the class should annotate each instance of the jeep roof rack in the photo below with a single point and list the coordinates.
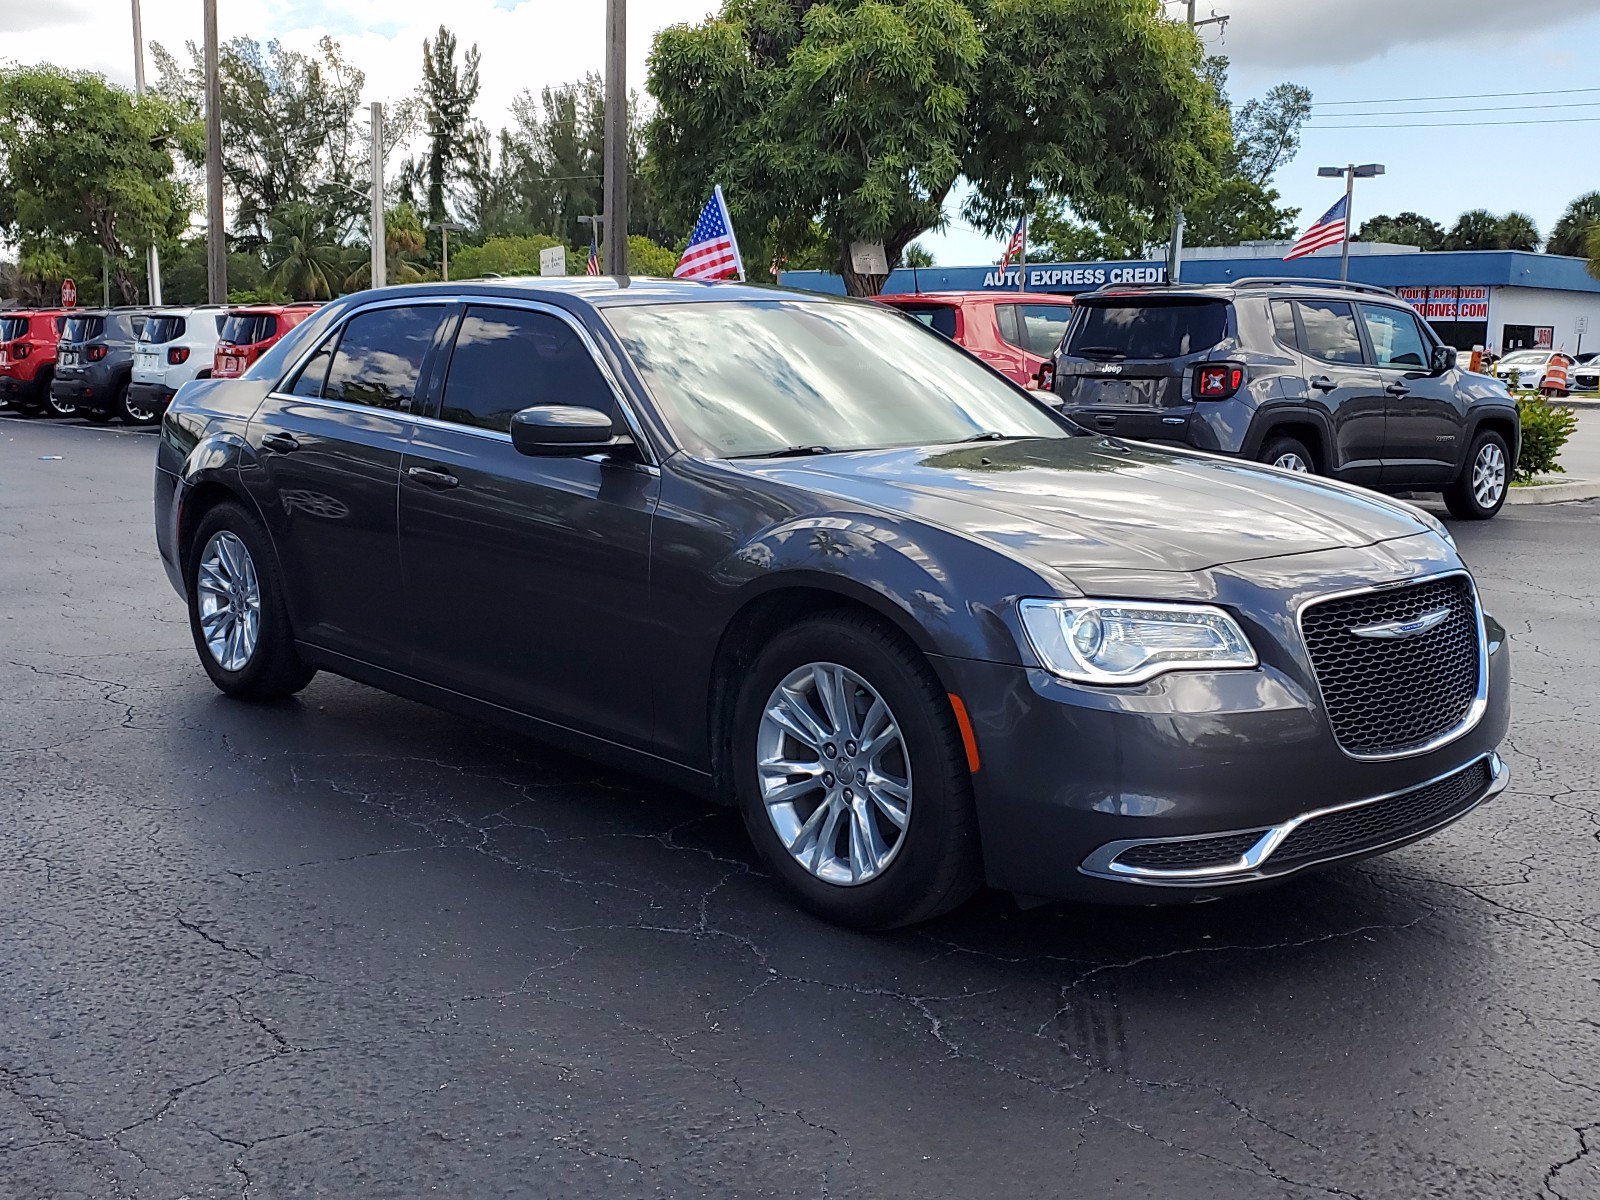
(1301, 281)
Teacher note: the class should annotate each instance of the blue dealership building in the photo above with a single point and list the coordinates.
(1500, 300)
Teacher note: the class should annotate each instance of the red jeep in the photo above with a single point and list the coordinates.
(249, 332)
(1014, 332)
(28, 338)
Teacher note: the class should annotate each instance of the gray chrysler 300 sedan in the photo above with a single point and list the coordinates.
(807, 557)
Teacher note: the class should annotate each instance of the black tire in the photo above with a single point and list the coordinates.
(127, 415)
(1461, 498)
(31, 409)
(59, 408)
(1280, 447)
(95, 416)
(937, 864)
(274, 670)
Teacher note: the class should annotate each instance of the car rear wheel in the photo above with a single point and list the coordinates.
(136, 412)
(1481, 489)
(852, 775)
(236, 610)
(61, 408)
(1288, 454)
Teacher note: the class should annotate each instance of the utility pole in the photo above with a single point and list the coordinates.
(216, 243)
(1175, 243)
(153, 259)
(616, 153)
(444, 228)
(380, 257)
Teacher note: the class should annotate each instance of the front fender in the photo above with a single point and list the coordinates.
(211, 460)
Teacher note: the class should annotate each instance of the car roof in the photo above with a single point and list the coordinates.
(603, 291)
(964, 297)
(1268, 285)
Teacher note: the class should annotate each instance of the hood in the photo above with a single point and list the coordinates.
(1097, 503)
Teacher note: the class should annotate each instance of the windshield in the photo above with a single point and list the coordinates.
(12, 327)
(81, 329)
(246, 329)
(162, 329)
(750, 379)
(1525, 358)
(1145, 329)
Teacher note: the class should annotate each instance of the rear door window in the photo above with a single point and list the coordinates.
(380, 356)
(1037, 328)
(246, 329)
(1396, 340)
(1113, 330)
(941, 318)
(506, 359)
(1330, 329)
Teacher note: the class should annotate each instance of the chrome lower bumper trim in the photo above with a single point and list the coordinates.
(1255, 863)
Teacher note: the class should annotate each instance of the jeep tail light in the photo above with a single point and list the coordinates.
(178, 354)
(95, 353)
(1217, 381)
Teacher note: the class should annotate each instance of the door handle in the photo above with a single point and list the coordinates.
(1322, 383)
(433, 478)
(282, 443)
(1398, 389)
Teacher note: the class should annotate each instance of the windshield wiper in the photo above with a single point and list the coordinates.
(988, 435)
(1099, 353)
(788, 452)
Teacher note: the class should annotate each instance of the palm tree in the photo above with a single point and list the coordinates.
(1571, 234)
(304, 257)
(1516, 231)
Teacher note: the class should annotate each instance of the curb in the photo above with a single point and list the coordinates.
(1556, 493)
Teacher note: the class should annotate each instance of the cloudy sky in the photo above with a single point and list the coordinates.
(1353, 54)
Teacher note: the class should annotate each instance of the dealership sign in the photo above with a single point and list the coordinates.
(1077, 275)
(1470, 303)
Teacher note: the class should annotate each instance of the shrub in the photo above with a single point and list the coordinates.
(1545, 429)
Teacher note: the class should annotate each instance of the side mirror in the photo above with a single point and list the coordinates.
(563, 431)
(1444, 359)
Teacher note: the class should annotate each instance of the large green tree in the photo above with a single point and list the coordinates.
(449, 91)
(82, 165)
(1406, 229)
(305, 256)
(1480, 229)
(1571, 232)
(861, 115)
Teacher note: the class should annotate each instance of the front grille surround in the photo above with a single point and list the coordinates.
(1426, 710)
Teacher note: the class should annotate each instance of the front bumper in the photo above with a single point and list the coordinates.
(1071, 777)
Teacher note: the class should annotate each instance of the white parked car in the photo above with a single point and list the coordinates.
(177, 345)
(1585, 377)
(1530, 366)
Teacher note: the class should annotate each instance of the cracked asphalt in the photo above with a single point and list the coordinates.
(349, 946)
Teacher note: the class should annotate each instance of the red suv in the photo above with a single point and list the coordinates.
(1014, 332)
(247, 333)
(28, 338)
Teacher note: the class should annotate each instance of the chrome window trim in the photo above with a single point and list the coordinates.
(1480, 701)
(1249, 866)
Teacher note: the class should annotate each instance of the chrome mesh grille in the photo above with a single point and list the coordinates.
(1386, 696)
(1371, 825)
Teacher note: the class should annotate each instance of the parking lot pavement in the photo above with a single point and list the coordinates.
(350, 946)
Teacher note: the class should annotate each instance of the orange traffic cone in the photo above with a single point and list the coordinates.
(1554, 382)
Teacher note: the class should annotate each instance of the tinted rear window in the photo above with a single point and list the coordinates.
(941, 318)
(82, 329)
(1142, 329)
(246, 329)
(12, 327)
(162, 329)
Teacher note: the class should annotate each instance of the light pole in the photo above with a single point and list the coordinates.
(1351, 173)
(595, 222)
(444, 228)
(616, 152)
(154, 256)
(380, 257)
(216, 244)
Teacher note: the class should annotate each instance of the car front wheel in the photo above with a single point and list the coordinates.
(1288, 454)
(236, 610)
(852, 774)
(1485, 480)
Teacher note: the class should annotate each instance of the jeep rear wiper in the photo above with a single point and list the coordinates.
(787, 452)
(1100, 353)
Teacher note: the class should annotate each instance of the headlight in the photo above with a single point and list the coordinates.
(1128, 641)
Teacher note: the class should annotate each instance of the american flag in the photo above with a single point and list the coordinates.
(713, 251)
(1329, 230)
(594, 256)
(1018, 244)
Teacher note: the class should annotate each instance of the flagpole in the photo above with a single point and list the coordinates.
(727, 221)
(1344, 247)
(1022, 264)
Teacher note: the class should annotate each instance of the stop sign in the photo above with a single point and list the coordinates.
(69, 293)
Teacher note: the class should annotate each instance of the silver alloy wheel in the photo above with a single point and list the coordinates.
(144, 414)
(1290, 461)
(62, 408)
(229, 600)
(835, 773)
(1489, 475)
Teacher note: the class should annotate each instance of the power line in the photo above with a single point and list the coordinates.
(1463, 96)
(1434, 112)
(1464, 124)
